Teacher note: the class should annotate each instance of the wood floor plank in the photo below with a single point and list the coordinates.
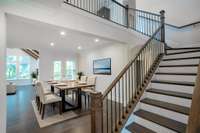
(21, 117)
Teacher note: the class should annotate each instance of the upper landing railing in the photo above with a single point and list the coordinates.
(141, 21)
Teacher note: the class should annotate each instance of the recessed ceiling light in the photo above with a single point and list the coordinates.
(79, 47)
(96, 40)
(62, 33)
(52, 44)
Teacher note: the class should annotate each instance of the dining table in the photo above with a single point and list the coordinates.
(66, 86)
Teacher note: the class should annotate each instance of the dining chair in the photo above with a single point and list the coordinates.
(37, 97)
(47, 99)
(83, 79)
(73, 93)
(91, 80)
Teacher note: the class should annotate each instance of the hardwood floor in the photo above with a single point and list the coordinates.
(21, 117)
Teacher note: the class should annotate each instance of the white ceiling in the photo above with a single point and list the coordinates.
(25, 33)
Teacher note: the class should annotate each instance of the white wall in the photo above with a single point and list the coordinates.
(33, 65)
(186, 37)
(47, 57)
(178, 13)
(2, 72)
(119, 58)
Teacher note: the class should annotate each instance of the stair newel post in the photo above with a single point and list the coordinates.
(162, 20)
(96, 112)
(127, 15)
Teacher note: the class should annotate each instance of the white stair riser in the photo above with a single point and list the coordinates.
(195, 54)
(178, 69)
(170, 99)
(180, 62)
(175, 78)
(152, 126)
(175, 88)
(183, 50)
(165, 113)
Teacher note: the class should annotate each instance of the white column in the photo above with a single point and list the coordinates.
(2, 72)
(131, 4)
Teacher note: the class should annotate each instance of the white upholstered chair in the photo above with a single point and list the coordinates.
(47, 99)
(91, 80)
(46, 92)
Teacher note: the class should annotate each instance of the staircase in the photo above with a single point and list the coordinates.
(165, 105)
(142, 99)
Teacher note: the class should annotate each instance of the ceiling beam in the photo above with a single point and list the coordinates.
(31, 53)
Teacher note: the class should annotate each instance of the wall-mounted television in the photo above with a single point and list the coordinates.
(102, 66)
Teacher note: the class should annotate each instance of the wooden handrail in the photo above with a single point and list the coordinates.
(170, 25)
(184, 26)
(110, 110)
(158, 15)
(116, 2)
(128, 65)
(194, 117)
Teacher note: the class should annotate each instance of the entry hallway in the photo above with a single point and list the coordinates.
(21, 117)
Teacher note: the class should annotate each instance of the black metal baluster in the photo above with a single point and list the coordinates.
(126, 92)
(129, 86)
(132, 81)
(135, 78)
(119, 89)
(139, 25)
(107, 114)
(115, 89)
(111, 126)
(123, 97)
(140, 71)
(146, 23)
(143, 66)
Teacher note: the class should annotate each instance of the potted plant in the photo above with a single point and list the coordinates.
(79, 75)
(34, 76)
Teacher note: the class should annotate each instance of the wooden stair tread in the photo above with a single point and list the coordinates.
(176, 73)
(183, 52)
(170, 93)
(173, 82)
(189, 65)
(185, 58)
(136, 128)
(163, 121)
(183, 48)
(165, 105)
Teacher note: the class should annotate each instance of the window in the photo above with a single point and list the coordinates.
(18, 67)
(57, 70)
(11, 72)
(70, 71)
(24, 67)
